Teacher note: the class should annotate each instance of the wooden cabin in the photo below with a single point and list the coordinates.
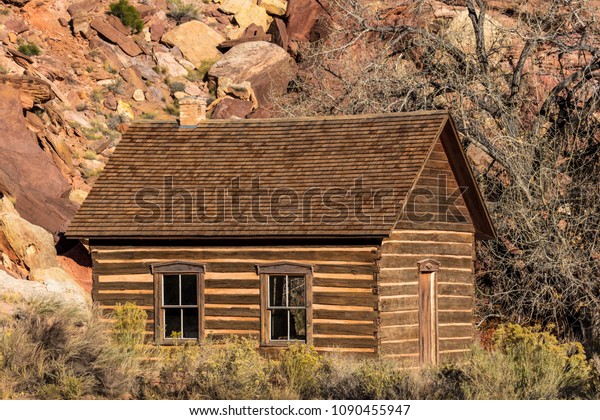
(354, 234)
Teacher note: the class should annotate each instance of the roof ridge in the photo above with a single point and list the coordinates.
(434, 112)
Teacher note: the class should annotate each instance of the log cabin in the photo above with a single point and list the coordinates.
(353, 234)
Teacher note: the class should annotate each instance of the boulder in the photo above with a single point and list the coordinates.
(32, 90)
(246, 13)
(138, 95)
(231, 108)
(108, 31)
(278, 32)
(266, 66)
(110, 102)
(170, 65)
(15, 24)
(124, 110)
(301, 16)
(134, 77)
(83, 7)
(157, 30)
(28, 173)
(197, 42)
(274, 7)
(65, 289)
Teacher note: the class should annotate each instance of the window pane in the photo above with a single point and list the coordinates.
(189, 292)
(171, 289)
(172, 323)
(297, 324)
(276, 288)
(297, 291)
(190, 323)
(279, 324)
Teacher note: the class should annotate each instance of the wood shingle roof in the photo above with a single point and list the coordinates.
(297, 177)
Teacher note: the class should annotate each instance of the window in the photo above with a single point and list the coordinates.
(179, 301)
(287, 307)
(286, 313)
(179, 305)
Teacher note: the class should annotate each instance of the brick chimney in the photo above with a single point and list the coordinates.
(192, 110)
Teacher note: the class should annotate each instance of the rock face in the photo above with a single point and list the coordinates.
(31, 90)
(274, 7)
(27, 173)
(167, 62)
(34, 246)
(266, 66)
(197, 42)
(115, 36)
(302, 15)
(232, 108)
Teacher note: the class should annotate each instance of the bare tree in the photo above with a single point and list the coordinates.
(523, 84)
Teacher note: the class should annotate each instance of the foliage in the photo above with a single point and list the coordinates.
(128, 14)
(176, 87)
(181, 10)
(303, 367)
(29, 49)
(229, 369)
(130, 326)
(527, 363)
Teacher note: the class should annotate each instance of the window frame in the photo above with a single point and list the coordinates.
(176, 268)
(287, 269)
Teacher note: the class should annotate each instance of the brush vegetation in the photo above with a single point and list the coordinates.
(52, 351)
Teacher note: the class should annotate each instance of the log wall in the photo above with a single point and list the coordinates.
(446, 237)
(344, 304)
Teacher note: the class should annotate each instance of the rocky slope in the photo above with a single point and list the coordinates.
(72, 75)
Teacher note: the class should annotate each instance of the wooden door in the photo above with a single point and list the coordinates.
(428, 323)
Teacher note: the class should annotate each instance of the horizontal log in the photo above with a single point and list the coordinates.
(233, 299)
(111, 299)
(343, 329)
(455, 344)
(426, 248)
(219, 335)
(346, 283)
(452, 317)
(455, 289)
(404, 303)
(436, 225)
(123, 278)
(407, 347)
(398, 289)
(241, 253)
(455, 302)
(400, 332)
(409, 261)
(350, 299)
(399, 318)
(346, 315)
(128, 285)
(333, 342)
(232, 311)
(127, 268)
(453, 331)
(222, 324)
(231, 284)
(446, 275)
(427, 235)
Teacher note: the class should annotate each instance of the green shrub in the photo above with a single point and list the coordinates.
(527, 363)
(180, 10)
(176, 87)
(29, 49)
(128, 14)
(130, 326)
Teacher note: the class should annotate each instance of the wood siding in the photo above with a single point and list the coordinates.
(344, 304)
(446, 237)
